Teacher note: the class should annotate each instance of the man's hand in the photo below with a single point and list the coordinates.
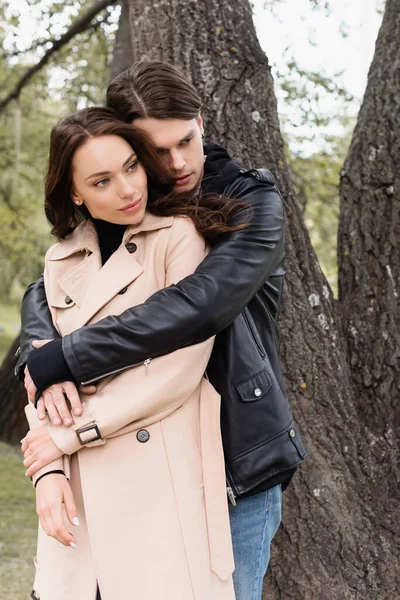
(52, 492)
(54, 398)
(39, 449)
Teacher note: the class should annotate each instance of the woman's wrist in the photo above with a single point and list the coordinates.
(58, 472)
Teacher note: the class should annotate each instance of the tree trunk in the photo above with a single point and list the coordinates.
(122, 57)
(369, 276)
(330, 546)
(13, 399)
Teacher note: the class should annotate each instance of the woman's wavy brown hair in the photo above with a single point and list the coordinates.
(212, 215)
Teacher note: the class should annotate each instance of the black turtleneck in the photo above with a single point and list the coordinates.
(110, 237)
(47, 365)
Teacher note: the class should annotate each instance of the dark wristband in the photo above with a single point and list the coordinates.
(47, 366)
(49, 473)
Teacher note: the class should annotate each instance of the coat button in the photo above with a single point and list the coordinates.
(125, 289)
(131, 247)
(257, 392)
(143, 435)
(292, 433)
(68, 300)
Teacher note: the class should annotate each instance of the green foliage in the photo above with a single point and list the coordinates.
(76, 76)
(316, 179)
(18, 526)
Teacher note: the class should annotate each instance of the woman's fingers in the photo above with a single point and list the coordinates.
(29, 460)
(52, 521)
(70, 506)
(51, 493)
(39, 343)
(41, 409)
(89, 390)
(73, 397)
(60, 404)
(51, 409)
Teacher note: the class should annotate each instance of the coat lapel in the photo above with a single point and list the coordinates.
(118, 272)
(87, 283)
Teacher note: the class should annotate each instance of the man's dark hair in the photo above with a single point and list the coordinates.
(153, 89)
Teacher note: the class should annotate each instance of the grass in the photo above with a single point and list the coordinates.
(18, 526)
(9, 327)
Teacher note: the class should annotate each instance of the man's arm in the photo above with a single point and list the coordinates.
(36, 322)
(197, 308)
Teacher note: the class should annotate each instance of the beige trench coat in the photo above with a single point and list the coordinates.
(154, 521)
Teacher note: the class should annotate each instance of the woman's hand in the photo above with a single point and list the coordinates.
(52, 492)
(54, 398)
(39, 450)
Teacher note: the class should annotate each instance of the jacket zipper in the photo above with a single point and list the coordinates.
(253, 335)
(229, 490)
(231, 496)
(116, 371)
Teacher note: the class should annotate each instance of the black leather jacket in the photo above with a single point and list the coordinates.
(235, 293)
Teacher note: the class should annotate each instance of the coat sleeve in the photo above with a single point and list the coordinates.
(149, 392)
(199, 306)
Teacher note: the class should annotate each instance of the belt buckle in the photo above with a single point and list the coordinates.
(84, 435)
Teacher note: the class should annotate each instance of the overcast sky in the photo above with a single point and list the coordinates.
(315, 40)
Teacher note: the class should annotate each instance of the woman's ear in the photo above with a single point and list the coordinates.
(77, 200)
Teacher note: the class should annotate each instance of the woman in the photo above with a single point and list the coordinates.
(144, 458)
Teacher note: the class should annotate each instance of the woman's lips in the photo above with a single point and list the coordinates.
(132, 206)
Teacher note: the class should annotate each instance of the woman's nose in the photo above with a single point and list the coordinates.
(126, 188)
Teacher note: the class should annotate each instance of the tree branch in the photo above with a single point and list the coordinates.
(80, 25)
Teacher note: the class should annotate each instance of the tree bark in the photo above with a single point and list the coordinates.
(369, 275)
(329, 542)
(13, 425)
(122, 57)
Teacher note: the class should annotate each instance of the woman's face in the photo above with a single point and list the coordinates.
(108, 179)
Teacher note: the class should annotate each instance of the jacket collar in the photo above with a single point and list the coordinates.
(84, 237)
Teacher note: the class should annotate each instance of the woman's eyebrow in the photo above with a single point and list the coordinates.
(101, 173)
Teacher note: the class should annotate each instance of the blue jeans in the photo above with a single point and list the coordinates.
(254, 522)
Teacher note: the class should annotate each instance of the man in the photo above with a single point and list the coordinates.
(235, 293)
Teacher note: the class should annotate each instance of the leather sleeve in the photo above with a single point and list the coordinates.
(196, 308)
(36, 322)
(148, 393)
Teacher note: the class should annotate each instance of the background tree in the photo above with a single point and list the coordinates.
(338, 535)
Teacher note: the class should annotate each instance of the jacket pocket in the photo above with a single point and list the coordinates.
(252, 330)
(255, 387)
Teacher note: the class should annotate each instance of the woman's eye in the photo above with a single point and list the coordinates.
(132, 167)
(101, 183)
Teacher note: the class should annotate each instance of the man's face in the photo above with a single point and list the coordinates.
(179, 142)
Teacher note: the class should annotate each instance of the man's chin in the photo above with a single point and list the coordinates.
(185, 187)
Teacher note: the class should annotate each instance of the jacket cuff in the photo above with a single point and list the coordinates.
(48, 366)
(71, 360)
(66, 438)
